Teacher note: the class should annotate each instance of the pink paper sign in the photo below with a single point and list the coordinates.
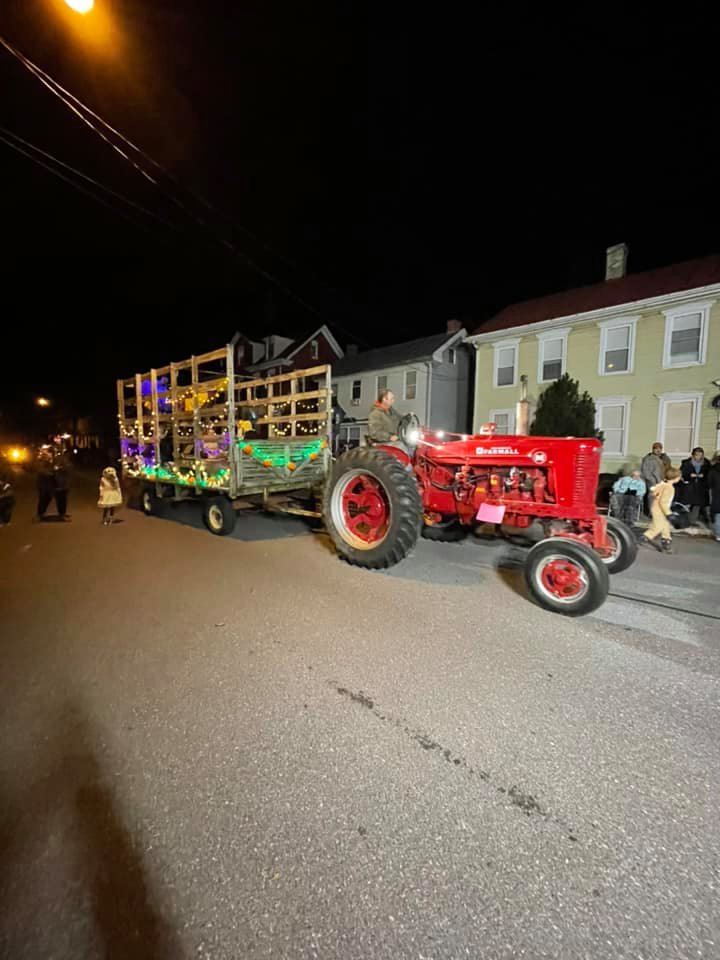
(490, 513)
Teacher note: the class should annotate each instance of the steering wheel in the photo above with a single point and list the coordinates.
(409, 430)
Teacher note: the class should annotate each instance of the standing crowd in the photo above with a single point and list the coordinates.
(53, 469)
(694, 485)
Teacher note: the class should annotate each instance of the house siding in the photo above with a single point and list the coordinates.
(449, 407)
(303, 359)
(643, 386)
(395, 382)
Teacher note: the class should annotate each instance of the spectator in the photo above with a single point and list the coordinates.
(714, 489)
(694, 490)
(7, 499)
(628, 492)
(660, 508)
(654, 465)
(53, 478)
(110, 495)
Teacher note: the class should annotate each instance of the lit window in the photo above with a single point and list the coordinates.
(617, 346)
(505, 363)
(410, 384)
(686, 330)
(612, 417)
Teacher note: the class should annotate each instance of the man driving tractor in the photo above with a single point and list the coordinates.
(383, 421)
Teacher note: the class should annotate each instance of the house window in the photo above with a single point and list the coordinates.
(452, 356)
(380, 385)
(686, 330)
(356, 393)
(505, 363)
(333, 394)
(410, 384)
(314, 350)
(552, 350)
(504, 421)
(612, 416)
(678, 422)
(617, 346)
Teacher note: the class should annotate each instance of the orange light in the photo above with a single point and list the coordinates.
(81, 6)
(42, 402)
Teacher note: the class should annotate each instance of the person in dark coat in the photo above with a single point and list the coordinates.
(7, 498)
(714, 489)
(53, 478)
(694, 484)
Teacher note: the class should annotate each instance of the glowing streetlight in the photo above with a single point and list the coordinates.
(81, 6)
(42, 402)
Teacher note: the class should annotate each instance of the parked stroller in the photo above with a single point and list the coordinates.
(679, 516)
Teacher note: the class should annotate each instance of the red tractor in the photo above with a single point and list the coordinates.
(379, 499)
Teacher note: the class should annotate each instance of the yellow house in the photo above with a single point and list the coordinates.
(646, 347)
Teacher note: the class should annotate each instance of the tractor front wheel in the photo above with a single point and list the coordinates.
(566, 576)
(624, 546)
(372, 508)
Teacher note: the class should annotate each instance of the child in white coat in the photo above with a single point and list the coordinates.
(110, 494)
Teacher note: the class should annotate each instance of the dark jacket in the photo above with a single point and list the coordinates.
(694, 490)
(714, 488)
(382, 424)
(653, 468)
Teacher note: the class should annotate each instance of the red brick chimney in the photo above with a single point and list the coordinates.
(453, 326)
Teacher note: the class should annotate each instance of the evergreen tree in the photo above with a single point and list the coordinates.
(564, 412)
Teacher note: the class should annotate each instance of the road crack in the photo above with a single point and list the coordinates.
(515, 795)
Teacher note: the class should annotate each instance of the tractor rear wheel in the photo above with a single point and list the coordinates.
(372, 508)
(446, 531)
(566, 576)
(149, 500)
(624, 546)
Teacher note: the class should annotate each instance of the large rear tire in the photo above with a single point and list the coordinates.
(624, 544)
(372, 508)
(219, 516)
(566, 576)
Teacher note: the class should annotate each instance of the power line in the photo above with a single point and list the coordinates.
(77, 107)
(76, 186)
(44, 76)
(4, 132)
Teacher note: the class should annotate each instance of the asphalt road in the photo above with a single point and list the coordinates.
(242, 748)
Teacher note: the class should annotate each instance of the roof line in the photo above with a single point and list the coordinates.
(588, 316)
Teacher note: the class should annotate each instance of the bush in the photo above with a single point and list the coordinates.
(564, 412)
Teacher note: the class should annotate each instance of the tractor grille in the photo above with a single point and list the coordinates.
(586, 478)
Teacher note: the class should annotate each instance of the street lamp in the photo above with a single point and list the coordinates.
(42, 402)
(81, 6)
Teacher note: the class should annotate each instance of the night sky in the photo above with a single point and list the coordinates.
(391, 167)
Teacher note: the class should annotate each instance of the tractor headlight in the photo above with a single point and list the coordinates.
(413, 437)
